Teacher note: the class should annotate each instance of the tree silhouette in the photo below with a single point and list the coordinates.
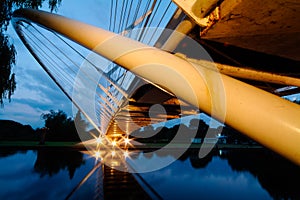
(61, 127)
(7, 50)
(7, 60)
(201, 127)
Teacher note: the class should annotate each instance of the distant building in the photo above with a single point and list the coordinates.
(221, 139)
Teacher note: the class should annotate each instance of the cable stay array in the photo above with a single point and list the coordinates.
(87, 78)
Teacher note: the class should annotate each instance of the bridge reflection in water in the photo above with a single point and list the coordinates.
(104, 182)
(228, 174)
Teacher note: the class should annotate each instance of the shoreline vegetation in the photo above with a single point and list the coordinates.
(60, 132)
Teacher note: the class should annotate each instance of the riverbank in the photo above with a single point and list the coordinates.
(36, 145)
(79, 146)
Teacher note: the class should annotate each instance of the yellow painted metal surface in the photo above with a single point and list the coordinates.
(183, 28)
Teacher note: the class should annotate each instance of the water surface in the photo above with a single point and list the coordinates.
(230, 174)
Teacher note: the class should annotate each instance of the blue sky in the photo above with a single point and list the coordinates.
(36, 93)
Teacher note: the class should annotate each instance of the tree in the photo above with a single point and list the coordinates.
(61, 127)
(7, 60)
(201, 127)
(7, 50)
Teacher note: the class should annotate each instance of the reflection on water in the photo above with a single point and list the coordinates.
(50, 162)
(276, 175)
(227, 174)
(41, 174)
(223, 174)
(56, 174)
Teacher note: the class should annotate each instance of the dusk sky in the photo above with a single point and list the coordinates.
(36, 93)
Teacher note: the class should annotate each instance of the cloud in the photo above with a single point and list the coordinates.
(36, 92)
(22, 113)
(34, 95)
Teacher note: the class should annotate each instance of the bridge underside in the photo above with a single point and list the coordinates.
(147, 106)
(262, 36)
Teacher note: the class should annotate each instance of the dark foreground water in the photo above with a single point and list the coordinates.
(230, 174)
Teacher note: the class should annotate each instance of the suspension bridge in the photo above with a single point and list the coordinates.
(116, 76)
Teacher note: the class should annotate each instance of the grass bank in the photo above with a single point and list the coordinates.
(76, 145)
(35, 144)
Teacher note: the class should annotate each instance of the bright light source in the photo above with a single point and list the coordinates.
(114, 143)
(127, 141)
(126, 154)
(97, 154)
(113, 153)
(99, 140)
